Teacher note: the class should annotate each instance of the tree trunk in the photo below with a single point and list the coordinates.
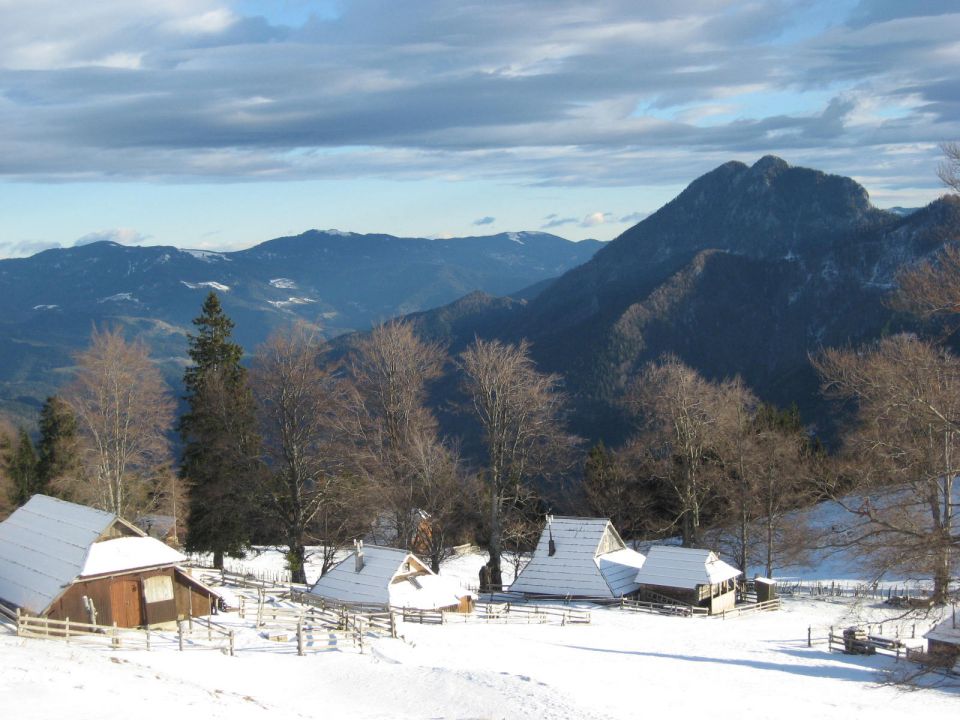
(218, 559)
(495, 545)
(297, 560)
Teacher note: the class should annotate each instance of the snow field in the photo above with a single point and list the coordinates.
(622, 665)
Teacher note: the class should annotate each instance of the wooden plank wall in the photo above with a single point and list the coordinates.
(188, 600)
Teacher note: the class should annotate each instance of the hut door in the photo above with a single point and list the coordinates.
(125, 600)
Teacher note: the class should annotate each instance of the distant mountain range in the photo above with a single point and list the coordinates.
(339, 281)
(746, 272)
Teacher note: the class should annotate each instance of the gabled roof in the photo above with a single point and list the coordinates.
(382, 566)
(46, 544)
(590, 560)
(947, 630)
(126, 554)
(681, 567)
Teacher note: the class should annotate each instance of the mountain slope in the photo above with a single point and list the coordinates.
(747, 271)
(338, 281)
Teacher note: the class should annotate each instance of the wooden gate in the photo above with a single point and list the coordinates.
(125, 602)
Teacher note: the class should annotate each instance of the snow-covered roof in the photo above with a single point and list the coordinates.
(46, 544)
(389, 576)
(590, 561)
(128, 553)
(947, 630)
(682, 567)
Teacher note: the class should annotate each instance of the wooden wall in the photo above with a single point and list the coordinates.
(120, 599)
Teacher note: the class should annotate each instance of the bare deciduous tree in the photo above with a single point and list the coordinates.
(903, 453)
(519, 411)
(124, 412)
(310, 493)
(949, 170)
(768, 468)
(391, 369)
(680, 412)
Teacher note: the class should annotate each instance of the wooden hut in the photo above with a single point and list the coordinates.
(380, 577)
(943, 641)
(61, 560)
(579, 557)
(691, 576)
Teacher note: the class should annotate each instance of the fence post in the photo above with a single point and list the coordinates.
(300, 637)
(148, 637)
(66, 629)
(393, 624)
(18, 622)
(809, 636)
(116, 636)
(231, 643)
(180, 634)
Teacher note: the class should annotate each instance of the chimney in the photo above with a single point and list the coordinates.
(552, 545)
(358, 554)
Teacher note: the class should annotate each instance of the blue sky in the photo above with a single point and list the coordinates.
(218, 124)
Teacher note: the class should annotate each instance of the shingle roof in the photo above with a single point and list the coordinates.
(590, 561)
(46, 544)
(681, 567)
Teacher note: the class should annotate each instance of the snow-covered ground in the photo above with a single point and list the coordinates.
(622, 665)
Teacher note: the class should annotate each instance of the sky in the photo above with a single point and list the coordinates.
(218, 124)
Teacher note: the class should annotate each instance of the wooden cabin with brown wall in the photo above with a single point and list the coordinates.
(147, 597)
(62, 560)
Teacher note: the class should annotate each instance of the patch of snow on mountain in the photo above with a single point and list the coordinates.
(207, 284)
(291, 301)
(341, 233)
(516, 237)
(119, 297)
(45, 307)
(207, 255)
(284, 283)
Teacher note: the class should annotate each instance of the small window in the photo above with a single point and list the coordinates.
(158, 589)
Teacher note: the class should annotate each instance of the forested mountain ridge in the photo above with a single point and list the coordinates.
(747, 271)
(338, 281)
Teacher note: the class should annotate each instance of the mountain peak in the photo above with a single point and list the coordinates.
(769, 165)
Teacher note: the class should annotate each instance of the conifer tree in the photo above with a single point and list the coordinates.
(22, 468)
(221, 445)
(58, 449)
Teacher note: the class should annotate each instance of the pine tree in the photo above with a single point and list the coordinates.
(58, 448)
(221, 447)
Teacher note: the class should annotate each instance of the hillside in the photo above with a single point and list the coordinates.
(338, 281)
(746, 272)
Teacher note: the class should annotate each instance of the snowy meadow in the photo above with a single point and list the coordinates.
(618, 666)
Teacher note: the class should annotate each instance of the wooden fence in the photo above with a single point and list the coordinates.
(660, 608)
(71, 630)
(749, 609)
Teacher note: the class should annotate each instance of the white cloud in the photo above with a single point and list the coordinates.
(529, 92)
(121, 236)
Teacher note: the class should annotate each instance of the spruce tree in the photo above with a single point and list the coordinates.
(221, 447)
(58, 448)
(22, 468)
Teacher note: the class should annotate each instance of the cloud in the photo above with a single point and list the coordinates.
(594, 219)
(560, 93)
(634, 217)
(487, 220)
(25, 248)
(121, 236)
(555, 222)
